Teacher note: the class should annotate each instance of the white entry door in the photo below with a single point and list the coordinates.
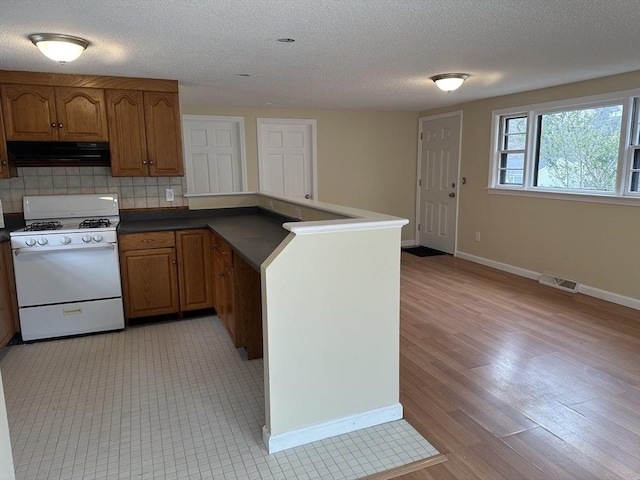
(438, 185)
(214, 153)
(286, 157)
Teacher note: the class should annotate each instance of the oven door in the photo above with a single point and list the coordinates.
(46, 276)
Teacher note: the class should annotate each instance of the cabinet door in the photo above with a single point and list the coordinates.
(194, 269)
(81, 114)
(164, 142)
(29, 112)
(150, 282)
(127, 137)
(224, 296)
(229, 311)
(221, 287)
(4, 159)
(214, 273)
(247, 308)
(6, 302)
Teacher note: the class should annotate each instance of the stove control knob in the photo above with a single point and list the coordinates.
(97, 237)
(42, 241)
(65, 240)
(30, 242)
(86, 238)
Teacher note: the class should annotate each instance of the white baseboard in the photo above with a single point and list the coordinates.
(408, 243)
(609, 296)
(584, 289)
(505, 267)
(302, 436)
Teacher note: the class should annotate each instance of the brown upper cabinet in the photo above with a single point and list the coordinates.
(145, 137)
(40, 112)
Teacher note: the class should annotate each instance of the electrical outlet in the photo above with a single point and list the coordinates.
(477, 236)
(298, 213)
(168, 194)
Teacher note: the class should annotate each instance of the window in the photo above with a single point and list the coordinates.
(634, 177)
(512, 139)
(588, 146)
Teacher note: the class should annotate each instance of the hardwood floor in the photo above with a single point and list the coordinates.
(514, 380)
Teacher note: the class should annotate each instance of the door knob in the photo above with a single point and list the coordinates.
(307, 196)
(452, 194)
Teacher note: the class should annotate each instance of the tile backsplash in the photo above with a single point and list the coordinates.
(133, 192)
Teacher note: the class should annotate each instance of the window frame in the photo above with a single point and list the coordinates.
(629, 143)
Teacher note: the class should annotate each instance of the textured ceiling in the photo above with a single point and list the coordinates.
(348, 54)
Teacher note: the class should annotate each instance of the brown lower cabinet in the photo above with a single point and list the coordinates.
(170, 272)
(165, 272)
(238, 299)
(8, 303)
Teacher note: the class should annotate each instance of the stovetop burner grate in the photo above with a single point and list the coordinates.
(38, 226)
(95, 223)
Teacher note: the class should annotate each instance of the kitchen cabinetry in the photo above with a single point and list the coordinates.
(4, 159)
(149, 274)
(224, 288)
(238, 299)
(145, 137)
(8, 303)
(165, 272)
(39, 112)
(194, 269)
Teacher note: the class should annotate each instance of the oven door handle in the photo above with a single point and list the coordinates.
(63, 248)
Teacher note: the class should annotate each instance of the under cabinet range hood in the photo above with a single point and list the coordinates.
(59, 154)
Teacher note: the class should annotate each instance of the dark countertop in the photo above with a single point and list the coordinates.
(11, 222)
(253, 233)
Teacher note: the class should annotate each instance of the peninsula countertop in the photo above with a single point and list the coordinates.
(252, 232)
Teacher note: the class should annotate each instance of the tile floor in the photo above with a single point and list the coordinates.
(167, 401)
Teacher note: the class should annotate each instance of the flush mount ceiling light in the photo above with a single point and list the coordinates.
(449, 82)
(58, 47)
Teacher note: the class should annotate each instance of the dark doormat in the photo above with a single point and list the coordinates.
(423, 251)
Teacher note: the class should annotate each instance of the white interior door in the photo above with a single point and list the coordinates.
(286, 157)
(214, 153)
(438, 185)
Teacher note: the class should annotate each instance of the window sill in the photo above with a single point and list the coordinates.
(572, 197)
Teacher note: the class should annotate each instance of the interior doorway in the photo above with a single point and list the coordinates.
(287, 157)
(438, 168)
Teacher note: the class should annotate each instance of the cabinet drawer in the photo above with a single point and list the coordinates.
(223, 249)
(138, 241)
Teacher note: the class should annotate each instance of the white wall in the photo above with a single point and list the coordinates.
(331, 327)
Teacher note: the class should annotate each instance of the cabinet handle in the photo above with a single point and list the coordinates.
(150, 162)
(147, 240)
(53, 125)
(174, 262)
(4, 162)
(59, 125)
(221, 274)
(144, 162)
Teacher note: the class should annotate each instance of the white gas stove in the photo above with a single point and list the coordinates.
(66, 266)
